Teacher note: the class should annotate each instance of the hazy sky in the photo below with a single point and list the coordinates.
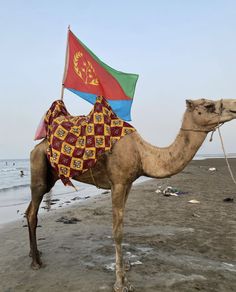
(180, 49)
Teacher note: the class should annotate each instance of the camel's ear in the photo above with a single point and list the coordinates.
(189, 104)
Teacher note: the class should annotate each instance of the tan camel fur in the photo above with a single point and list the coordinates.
(130, 158)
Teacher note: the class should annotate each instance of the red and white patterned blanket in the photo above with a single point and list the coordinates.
(75, 143)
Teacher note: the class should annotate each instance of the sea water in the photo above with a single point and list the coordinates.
(206, 156)
(15, 194)
(11, 176)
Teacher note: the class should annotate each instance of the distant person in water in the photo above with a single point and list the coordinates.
(22, 173)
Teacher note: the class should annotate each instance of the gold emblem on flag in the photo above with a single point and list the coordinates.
(84, 69)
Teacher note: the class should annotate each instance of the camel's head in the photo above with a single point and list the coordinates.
(206, 114)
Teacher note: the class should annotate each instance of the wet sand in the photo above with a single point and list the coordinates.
(173, 245)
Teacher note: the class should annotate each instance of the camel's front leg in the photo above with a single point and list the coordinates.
(119, 195)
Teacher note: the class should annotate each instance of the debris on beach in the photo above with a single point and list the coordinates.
(51, 200)
(75, 198)
(106, 192)
(26, 225)
(228, 265)
(48, 207)
(110, 267)
(170, 191)
(228, 200)
(136, 263)
(45, 207)
(212, 169)
(98, 212)
(65, 247)
(66, 220)
(194, 201)
(158, 191)
(129, 261)
(196, 215)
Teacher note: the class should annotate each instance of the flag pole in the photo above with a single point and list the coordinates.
(66, 64)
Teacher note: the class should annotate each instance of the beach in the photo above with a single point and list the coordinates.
(172, 244)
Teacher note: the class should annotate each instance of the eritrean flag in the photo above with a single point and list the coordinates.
(87, 76)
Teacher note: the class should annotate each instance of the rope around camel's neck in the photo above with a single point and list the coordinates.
(226, 158)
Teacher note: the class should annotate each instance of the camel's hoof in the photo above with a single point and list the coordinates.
(36, 266)
(127, 288)
(130, 287)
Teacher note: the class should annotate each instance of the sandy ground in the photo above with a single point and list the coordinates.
(173, 245)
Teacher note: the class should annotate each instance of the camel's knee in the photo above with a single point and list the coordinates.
(37, 193)
(28, 210)
(118, 225)
(118, 233)
(118, 236)
(31, 216)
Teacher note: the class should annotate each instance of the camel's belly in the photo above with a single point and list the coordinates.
(96, 176)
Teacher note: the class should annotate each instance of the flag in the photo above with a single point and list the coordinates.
(87, 76)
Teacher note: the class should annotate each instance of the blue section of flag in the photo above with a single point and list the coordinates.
(120, 107)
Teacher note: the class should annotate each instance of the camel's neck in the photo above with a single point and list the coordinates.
(165, 162)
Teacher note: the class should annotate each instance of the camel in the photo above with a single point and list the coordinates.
(130, 158)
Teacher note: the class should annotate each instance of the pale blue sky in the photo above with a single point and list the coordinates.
(180, 49)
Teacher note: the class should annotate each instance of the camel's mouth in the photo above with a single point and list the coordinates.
(234, 112)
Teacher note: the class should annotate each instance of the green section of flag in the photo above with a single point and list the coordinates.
(126, 80)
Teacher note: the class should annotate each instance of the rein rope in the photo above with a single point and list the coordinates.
(226, 159)
(93, 179)
(222, 143)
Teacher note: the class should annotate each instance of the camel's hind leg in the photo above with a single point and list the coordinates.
(119, 197)
(31, 214)
(40, 185)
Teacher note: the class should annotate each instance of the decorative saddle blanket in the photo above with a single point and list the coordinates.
(75, 143)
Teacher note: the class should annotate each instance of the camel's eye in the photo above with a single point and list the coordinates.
(210, 108)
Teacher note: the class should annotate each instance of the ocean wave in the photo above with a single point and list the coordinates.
(14, 187)
(8, 169)
(13, 204)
